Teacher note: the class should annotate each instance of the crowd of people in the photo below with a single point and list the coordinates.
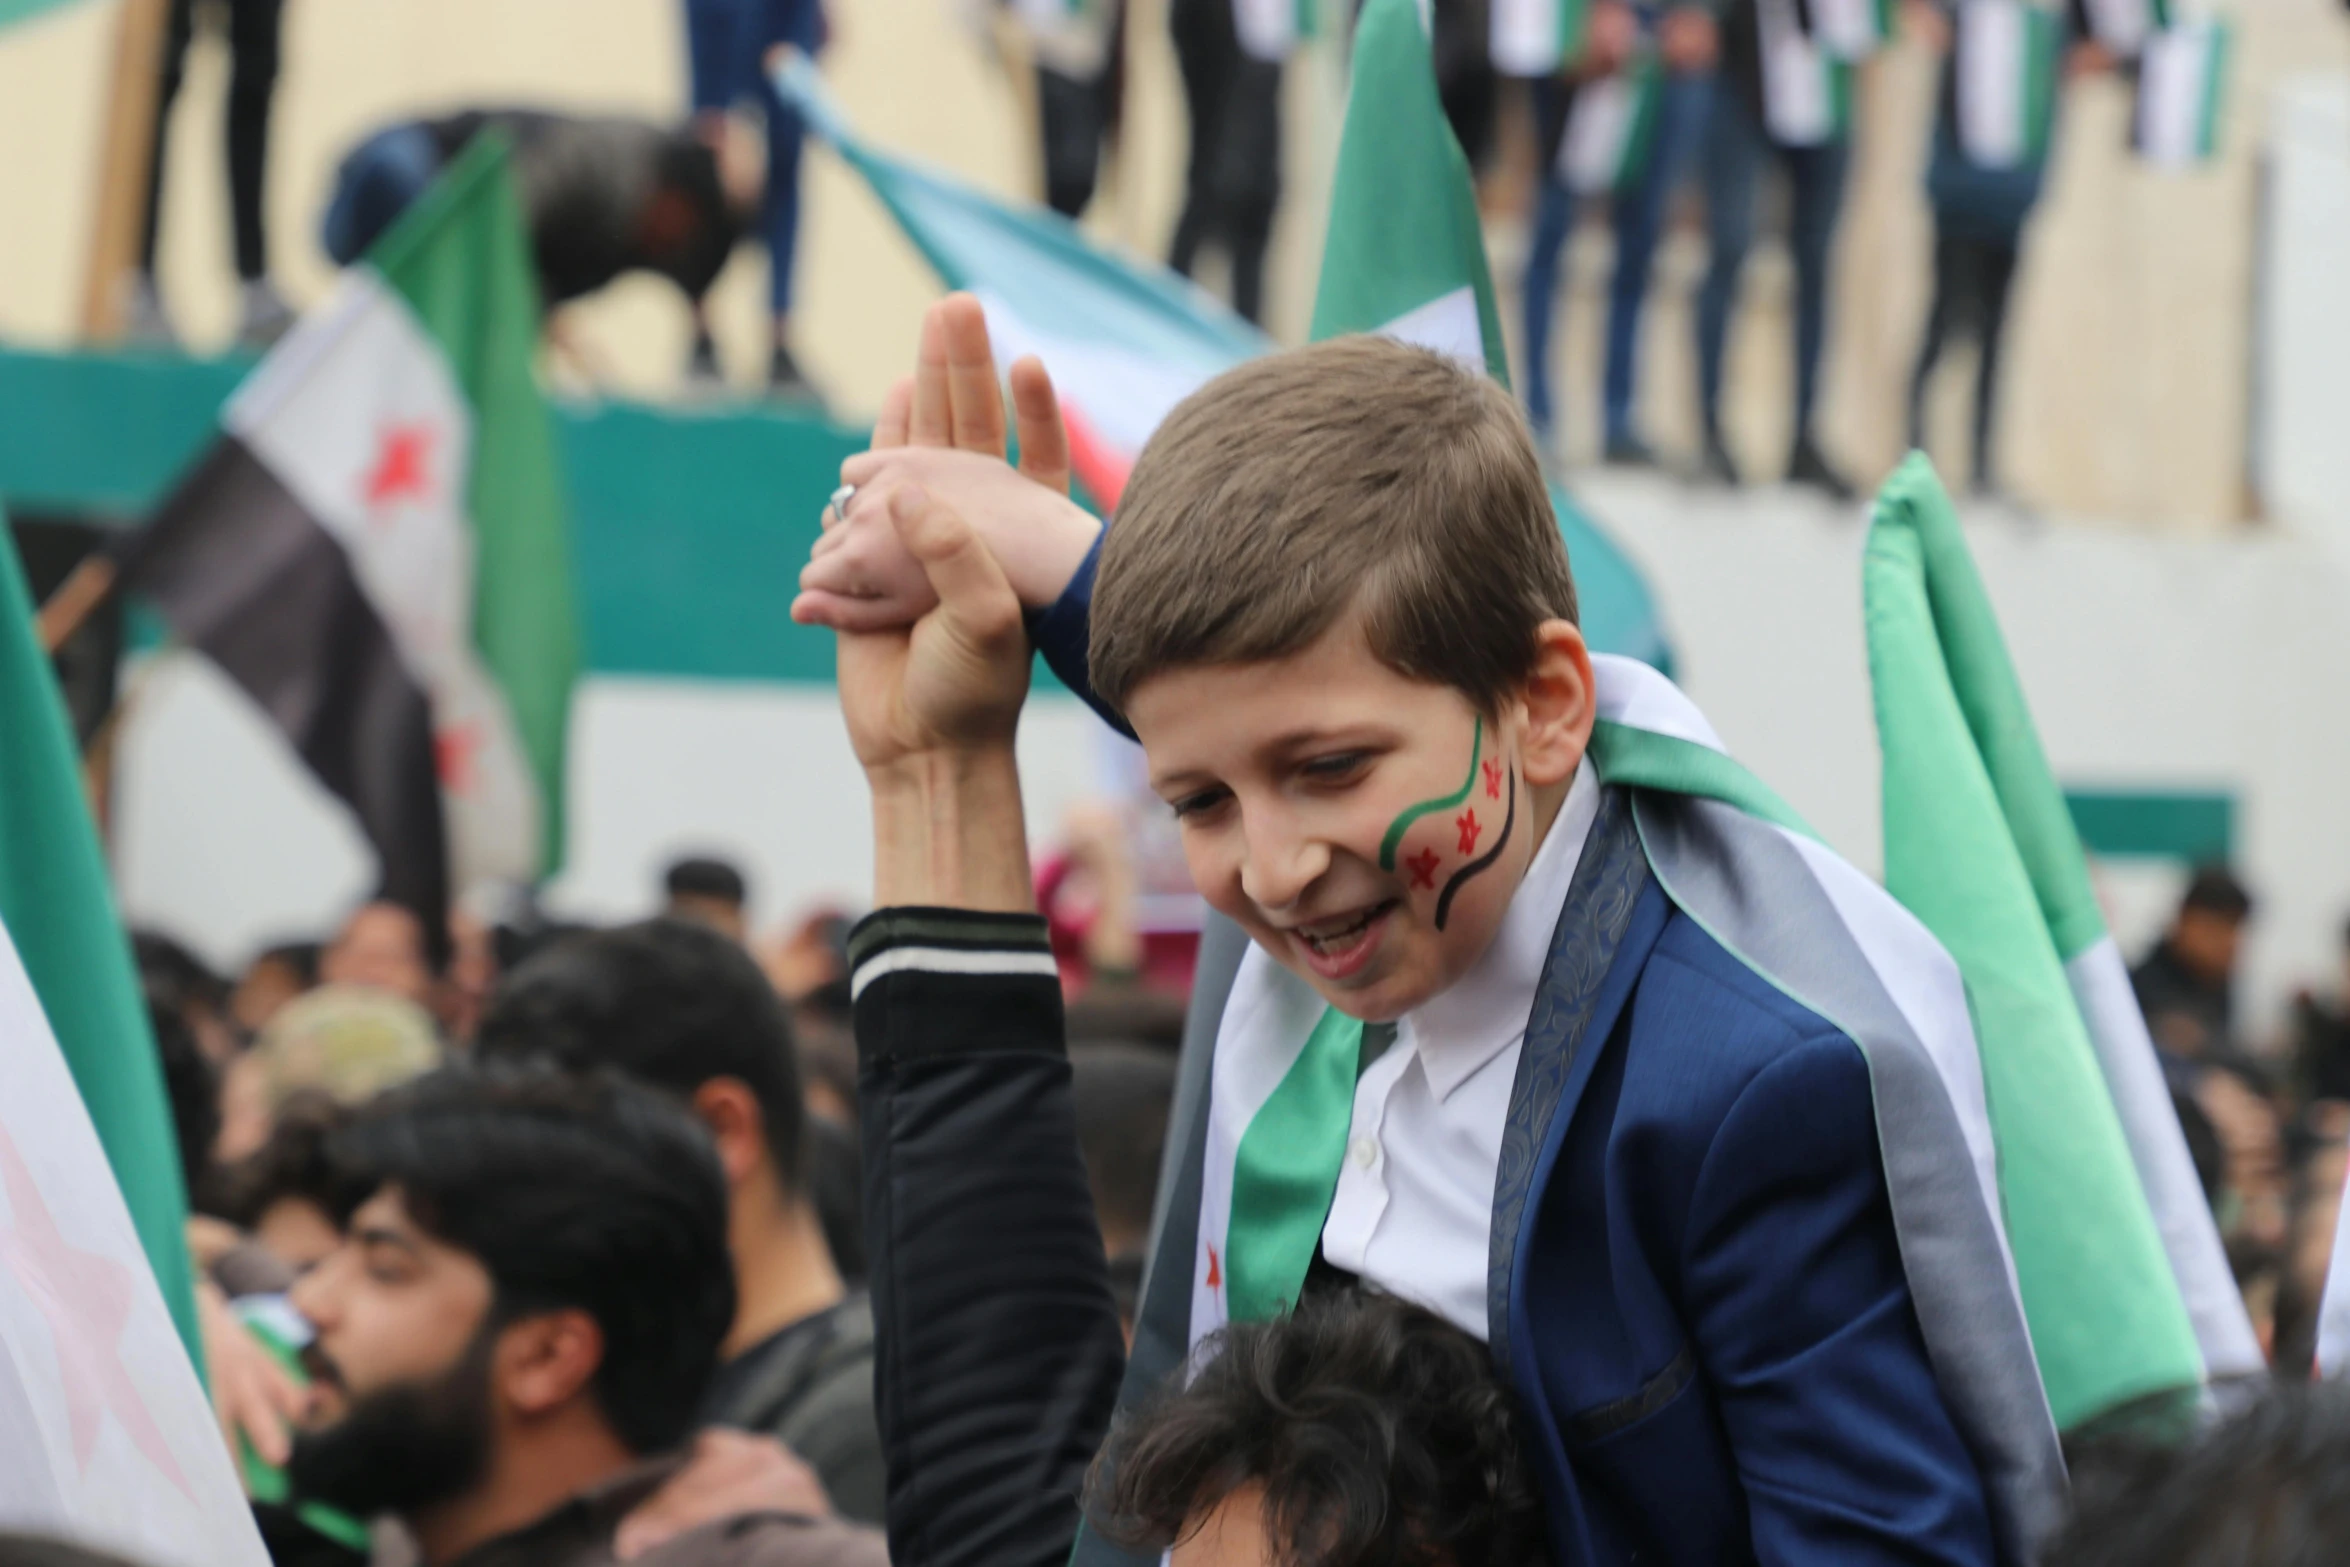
(549, 1244)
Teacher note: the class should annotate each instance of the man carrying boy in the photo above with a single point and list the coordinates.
(1551, 1042)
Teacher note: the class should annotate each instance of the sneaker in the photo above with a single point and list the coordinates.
(1716, 466)
(786, 383)
(1626, 450)
(263, 316)
(145, 323)
(1808, 465)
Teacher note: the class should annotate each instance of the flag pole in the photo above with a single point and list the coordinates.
(123, 169)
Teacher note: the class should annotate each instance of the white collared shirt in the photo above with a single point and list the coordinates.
(1414, 1210)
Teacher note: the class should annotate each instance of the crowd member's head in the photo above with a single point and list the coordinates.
(385, 947)
(2270, 1488)
(191, 1086)
(177, 979)
(276, 976)
(526, 1301)
(1367, 714)
(1123, 1094)
(2207, 933)
(1357, 1431)
(685, 1009)
(688, 227)
(289, 1194)
(707, 892)
(349, 1042)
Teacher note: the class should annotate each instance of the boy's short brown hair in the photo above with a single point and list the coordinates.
(1359, 475)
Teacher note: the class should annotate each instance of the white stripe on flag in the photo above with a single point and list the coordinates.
(1525, 37)
(1448, 324)
(1991, 72)
(1591, 153)
(1639, 697)
(950, 960)
(2171, 82)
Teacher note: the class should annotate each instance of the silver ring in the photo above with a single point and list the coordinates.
(840, 499)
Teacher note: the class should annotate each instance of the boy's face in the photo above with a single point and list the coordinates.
(1367, 829)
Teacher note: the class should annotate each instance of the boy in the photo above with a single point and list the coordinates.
(1489, 1053)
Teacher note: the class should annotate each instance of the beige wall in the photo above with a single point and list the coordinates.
(2131, 324)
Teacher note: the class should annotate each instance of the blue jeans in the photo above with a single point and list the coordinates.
(726, 45)
(1735, 146)
(374, 185)
(1639, 218)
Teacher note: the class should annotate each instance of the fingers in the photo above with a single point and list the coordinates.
(897, 413)
(844, 612)
(975, 403)
(932, 421)
(1044, 437)
(971, 587)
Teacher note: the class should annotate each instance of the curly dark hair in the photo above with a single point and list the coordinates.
(1378, 1434)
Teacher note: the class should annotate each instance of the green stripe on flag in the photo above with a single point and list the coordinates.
(1285, 1172)
(2163, 824)
(1404, 229)
(59, 910)
(15, 11)
(461, 259)
(2039, 105)
(2215, 75)
(1644, 759)
(2108, 1323)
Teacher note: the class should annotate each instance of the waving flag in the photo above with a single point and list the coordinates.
(2005, 58)
(105, 1433)
(376, 549)
(2123, 1278)
(1536, 38)
(1611, 127)
(2182, 75)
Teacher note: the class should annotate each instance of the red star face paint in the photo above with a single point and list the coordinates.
(1466, 829)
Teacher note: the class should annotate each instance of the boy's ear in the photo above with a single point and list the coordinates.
(1561, 702)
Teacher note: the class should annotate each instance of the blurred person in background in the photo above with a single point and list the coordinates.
(1079, 53)
(517, 1328)
(2321, 1034)
(287, 1195)
(1757, 119)
(276, 976)
(1232, 183)
(684, 1009)
(601, 195)
(1686, 39)
(253, 28)
(175, 978)
(382, 946)
(1979, 215)
(348, 1042)
(705, 891)
(2187, 984)
(1123, 1095)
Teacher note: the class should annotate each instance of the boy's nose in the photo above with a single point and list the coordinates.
(1280, 866)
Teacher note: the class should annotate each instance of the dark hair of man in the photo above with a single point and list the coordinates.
(706, 878)
(1122, 1094)
(1359, 478)
(667, 1002)
(176, 976)
(1376, 1432)
(575, 1192)
(191, 1087)
(2269, 1488)
(295, 1162)
(2214, 889)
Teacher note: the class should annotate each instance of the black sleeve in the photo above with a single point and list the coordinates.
(998, 1352)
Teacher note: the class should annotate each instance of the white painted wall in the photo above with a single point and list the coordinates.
(2149, 660)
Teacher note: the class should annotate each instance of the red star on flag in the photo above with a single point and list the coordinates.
(400, 473)
(1467, 823)
(1215, 1273)
(1423, 867)
(453, 751)
(86, 1298)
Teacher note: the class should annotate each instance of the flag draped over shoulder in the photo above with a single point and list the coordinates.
(376, 549)
(54, 894)
(105, 1432)
(2124, 1282)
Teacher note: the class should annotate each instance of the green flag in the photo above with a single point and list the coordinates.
(1977, 846)
(55, 902)
(1404, 253)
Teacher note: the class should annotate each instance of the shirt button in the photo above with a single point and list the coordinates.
(1366, 1152)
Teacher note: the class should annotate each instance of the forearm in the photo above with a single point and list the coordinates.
(949, 832)
(998, 1349)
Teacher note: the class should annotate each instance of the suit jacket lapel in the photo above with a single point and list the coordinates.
(1595, 951)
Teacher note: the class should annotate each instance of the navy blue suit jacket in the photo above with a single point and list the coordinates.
(1698, 1288)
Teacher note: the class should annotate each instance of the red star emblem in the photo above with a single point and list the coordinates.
(453, 751)
(86, 1298)
(1467, 823)
(1423, 867)
(1215, 1273)
(1493, 779)
(400, 473)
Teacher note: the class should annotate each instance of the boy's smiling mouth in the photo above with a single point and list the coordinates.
(1338, 948)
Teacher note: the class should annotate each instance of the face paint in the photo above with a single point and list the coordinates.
(1468, 829)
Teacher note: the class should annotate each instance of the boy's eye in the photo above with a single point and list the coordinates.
(1199, 804)
(1335, 769)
